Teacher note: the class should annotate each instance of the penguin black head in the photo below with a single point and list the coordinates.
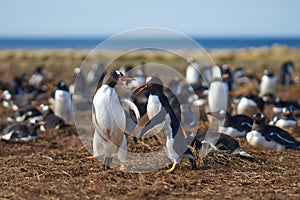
(153, 84)
(259, 118)
(112, 78)
(268, 72)
(287, 111)
(62, 86)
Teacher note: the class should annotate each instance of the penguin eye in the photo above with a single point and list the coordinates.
(119, 74)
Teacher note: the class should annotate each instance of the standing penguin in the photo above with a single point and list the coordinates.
(268, 83)
(286, 72)
(193, 73)
(218, 92)
(109, 121)
(63, 103)
(163, 118)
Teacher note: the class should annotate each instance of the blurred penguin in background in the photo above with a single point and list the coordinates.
(286, 73)
(193, 74)
(268, 83)
(63, 103)
(38, 77)
(218, 92)
(228, 77)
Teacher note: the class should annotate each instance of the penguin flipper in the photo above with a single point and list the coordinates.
(127, 104)
(283, 139)
(159, 118)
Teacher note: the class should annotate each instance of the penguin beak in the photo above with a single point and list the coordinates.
(41, 123)
(126, 79)
(209, 113)
(225, 76)
(123, 79)
(140, 89)
(287, 112)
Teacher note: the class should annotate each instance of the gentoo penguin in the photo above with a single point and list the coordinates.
(63, 103)
(234, 126)
(263, 136)
(193, 73)
(286, 72)
(268, 83)
(21, 131)
(284, 119)
(109, 121)
(248, 104)
(162, 118)
(37, 77)
(218, 92)
(51, 120)
(228, 77)
(279, 104)
(224, 143)
(25, 113)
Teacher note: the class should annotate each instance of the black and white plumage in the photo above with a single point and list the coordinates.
(218, 92)
(193, 73)
(284, 119)
(248, 104)
(26, 113)
(224, 143)
(109, 121)
(286, 73)
(63, 103)
(21, 132)
(234, 126)
(51, 120)
(279, 104)
(263, 136)
(228, 77)
(268, 83)
(162, 118)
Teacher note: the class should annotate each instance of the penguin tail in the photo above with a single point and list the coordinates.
(242, 153)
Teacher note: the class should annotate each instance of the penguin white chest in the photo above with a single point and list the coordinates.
(268, 85)
(153, 106)
(256, 140)
(63, 105)
(217, 96)
(108, 110)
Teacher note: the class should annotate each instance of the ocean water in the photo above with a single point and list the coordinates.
(90, 43)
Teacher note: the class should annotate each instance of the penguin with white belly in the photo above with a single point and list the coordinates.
(109, 121)
(63, 103)
(162, 118)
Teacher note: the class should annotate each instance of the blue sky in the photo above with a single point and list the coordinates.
(31, 18)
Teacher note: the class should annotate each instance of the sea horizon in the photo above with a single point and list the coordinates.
(90, 42)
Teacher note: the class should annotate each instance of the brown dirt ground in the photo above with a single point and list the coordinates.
(55, 167)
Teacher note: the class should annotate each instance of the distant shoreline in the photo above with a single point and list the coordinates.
(208, 43)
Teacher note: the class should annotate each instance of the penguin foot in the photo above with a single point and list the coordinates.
(122, 167)
(93, 158)
(172, 168)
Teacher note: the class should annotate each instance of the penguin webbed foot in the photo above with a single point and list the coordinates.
(172, 168)
(93, 158)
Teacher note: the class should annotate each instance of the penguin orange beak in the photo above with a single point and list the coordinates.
(140, 89)
(210, 113)
(225, 76)
(126, 79)
(41, 123)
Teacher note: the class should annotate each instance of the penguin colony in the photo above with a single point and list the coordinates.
(213, 89)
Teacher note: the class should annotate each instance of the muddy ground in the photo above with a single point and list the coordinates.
(56, 167)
